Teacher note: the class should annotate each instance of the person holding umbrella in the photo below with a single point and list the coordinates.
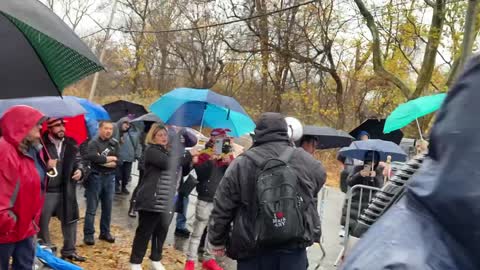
(369, 174)
(22, 185)
(61, 189)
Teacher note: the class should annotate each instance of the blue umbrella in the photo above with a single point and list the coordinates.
(358, 150)
(53, 262)
(50, 106)
(94, 113)
(202, 107)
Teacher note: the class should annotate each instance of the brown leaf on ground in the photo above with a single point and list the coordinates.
(106, 256)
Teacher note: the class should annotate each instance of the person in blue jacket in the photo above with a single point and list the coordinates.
(435, 224)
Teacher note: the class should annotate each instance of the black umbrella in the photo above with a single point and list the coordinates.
(39, 53)
(328, 137)
(122, 108)
(374, 127)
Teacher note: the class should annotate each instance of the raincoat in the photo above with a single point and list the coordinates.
(21, 195)
(435, 225)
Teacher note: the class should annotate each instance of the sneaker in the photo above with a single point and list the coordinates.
(211, 265)
(125, 191)
(189, 265)
(89, 240)
(183, 233)
(157, 265)
(118, 191)
(107, 237)
(341, 233)
(135, 266)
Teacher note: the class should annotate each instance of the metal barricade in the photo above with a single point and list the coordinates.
(361, 189)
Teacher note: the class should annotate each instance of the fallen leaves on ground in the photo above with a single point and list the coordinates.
(116, 256)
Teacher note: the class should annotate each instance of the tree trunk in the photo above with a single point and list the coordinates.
(467, 43)
(261, 7)
(434, 36)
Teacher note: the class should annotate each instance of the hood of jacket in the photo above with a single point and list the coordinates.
(450, 189)
(17, 122)
(271, 127)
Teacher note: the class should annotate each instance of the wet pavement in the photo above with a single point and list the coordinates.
(330, 226)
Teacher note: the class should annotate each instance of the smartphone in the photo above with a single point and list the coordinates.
(218, 146)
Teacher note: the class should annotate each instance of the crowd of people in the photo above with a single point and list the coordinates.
(42, 169)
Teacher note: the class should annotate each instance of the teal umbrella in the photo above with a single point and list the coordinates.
(410, 111)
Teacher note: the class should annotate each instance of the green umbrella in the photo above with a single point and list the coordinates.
(410, 111)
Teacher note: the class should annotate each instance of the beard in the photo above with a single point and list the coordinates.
(59, 135)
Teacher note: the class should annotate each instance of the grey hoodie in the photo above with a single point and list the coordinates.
(130, 147)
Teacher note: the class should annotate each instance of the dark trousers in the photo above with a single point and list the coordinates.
(152, 226)
(99, 188)
(123, 174)
(276, 260)
(22, 253)
(182, 217)
(69, 230)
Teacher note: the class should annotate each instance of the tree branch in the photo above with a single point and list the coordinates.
(377, 52)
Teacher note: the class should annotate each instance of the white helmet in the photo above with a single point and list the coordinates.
(295, 128)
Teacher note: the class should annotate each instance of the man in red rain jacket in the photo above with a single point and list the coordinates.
(22, 182)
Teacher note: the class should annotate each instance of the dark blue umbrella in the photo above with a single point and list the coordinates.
(358, 150)
(50, 106)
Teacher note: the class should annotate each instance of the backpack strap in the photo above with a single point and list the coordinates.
(256, 158)
(287, 154)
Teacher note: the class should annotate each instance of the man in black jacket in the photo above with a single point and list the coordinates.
(236, 199)
(102, 155)
(60, 199)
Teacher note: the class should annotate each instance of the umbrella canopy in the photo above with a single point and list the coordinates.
(205, 108)
(94, 111)
(190, 101)
(40, 54)
(94, 114)
(358, 150)
(407, 112)
(327, 137)
(374, 127)
(50, 106)
(149, 117)
(122, 108)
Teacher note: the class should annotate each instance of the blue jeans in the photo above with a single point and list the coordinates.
(22, 253)
(99, 188)
(276, 260)
(182, 217)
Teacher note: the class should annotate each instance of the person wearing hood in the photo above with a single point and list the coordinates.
(129, 150)
(435, 224)
(22, 185)
(210, 167)
(233, 218)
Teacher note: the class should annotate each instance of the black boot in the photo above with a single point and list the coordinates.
(131, 211)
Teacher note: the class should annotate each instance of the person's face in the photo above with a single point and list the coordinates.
(33, 135)
(106, 131)
(364, 138)
(309, 146)
(58, 130)
(161, 138)
(125, 126)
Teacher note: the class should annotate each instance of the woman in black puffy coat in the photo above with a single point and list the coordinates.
(362, 175)
(155, 196)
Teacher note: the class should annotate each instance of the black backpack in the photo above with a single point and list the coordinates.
(280, 206)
